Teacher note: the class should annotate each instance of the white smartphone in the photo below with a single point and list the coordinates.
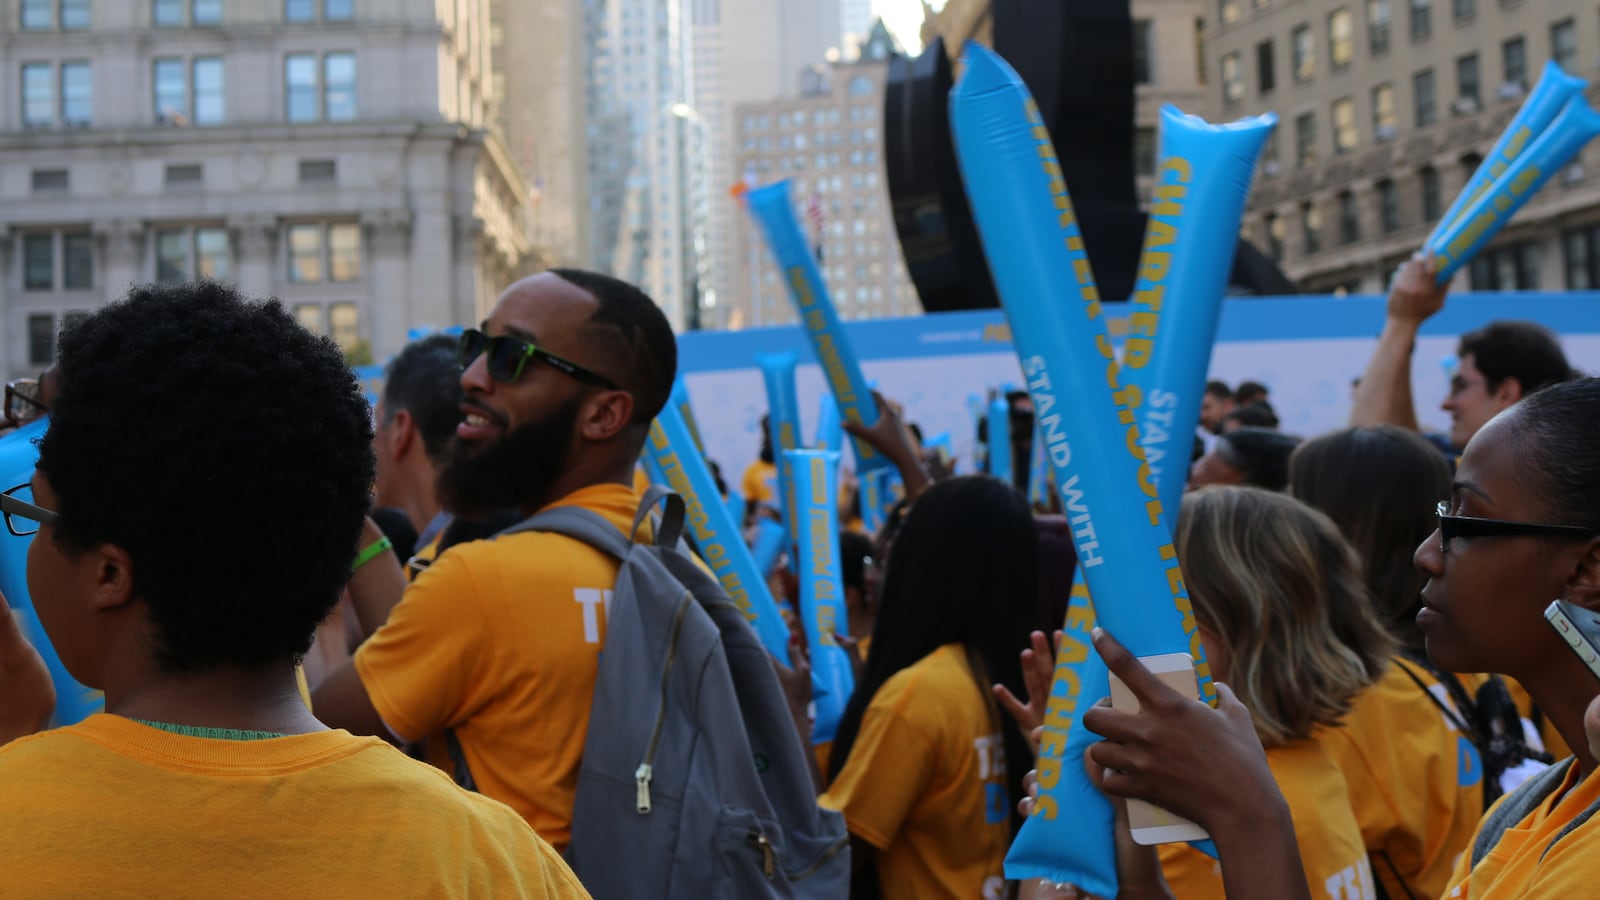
(1148, 823)
(1581, 628)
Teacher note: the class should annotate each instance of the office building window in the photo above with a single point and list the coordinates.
(1269, 154)
(1266, 68)
(337, 10)
(299, 10)
(1144, 151)
(1305, 140)
(1303, 52)
(1514, 61)
(1230, 10)
(1310, 227)
(171, 92)
(1465, 9)
(1143, 51)
(1510, 268)
(38, 94)
(1468, 90)
(205, 12)
(1423, 95)
(1432, 195)
(1421, 19)
(1564, 45)
(1388, 206)
(1384, 119)
(1341, 38)
(1349, 218)
(1378, 26)
(38, 15)
(1344, 125)
(185, 175)
(1232, 79)
(77, 94)
(312, 93)
(324, 252)
(344, 325)
(167, 13)
(38, 262)
(183, 254)
(41, 339)
(40, 252)
(49, 181)
(1582, 247)
(74, 15)
(309, 315)
(210, 100)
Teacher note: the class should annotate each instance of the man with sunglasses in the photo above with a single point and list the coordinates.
(498, 641)
(1497, 365)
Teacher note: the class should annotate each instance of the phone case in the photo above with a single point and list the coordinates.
(1148, 823)
(1580, 628)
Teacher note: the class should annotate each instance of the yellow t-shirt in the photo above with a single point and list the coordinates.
(1324, 826)
(1525, 864)
(110, 807)
(926, 783)
(760, 483)
(500, 640)
(1415, 779)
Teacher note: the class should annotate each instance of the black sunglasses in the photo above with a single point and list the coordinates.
(1451, 527)
(508, 355)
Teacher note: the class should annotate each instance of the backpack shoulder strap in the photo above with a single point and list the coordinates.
(1516, 807)
(1577, 822)
(579, 524)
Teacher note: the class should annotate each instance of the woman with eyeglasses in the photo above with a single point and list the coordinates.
(1424, 751)
(1520, 529)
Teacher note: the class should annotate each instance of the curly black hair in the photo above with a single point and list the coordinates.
(228, 451)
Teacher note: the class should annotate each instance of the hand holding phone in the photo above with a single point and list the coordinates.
(1148, 823)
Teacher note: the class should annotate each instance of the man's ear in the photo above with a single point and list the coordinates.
(113, 577)
(1509, 392)
(402, 433)
(606, 415)
(1583, 582)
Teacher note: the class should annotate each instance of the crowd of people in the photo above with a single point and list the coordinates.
(283, 593)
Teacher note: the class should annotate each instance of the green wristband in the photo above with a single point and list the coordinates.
(371, 552)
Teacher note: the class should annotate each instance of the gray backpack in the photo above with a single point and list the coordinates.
(694, 783)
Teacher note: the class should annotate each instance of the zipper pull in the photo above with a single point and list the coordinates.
(641, 780)
(769, 865)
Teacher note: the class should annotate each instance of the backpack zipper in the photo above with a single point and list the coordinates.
(769, 866)
(646, 770)
(838, 846)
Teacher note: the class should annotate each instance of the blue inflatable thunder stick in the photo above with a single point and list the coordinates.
(716, 534)
(1000, 439)
(822, 606)
(1483, 218)
(74, 702)
(783, 424)
(1546, 101)
(1030, 235)
(768, 545)
(1202, 181)
(830, 427)
(772, 208)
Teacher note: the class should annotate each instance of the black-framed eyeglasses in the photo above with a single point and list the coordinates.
(1451, 527)
(22, 401)
(508, 355)
(22, 516)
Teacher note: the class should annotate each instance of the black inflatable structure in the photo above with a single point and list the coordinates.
(1077, 60)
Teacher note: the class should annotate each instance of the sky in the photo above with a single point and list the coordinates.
(904, 18)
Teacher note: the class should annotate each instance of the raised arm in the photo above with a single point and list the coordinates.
(1384, 395)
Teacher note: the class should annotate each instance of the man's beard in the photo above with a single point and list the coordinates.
(514, 472)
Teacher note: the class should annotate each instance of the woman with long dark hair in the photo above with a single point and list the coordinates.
(925, 767)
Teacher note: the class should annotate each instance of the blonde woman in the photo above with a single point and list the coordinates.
(1288, 624)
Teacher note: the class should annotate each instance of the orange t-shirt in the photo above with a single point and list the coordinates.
(1324, 826)
(1525, 862)
(926, 783)
(111, 807)
(1415, 779)
(500, 640)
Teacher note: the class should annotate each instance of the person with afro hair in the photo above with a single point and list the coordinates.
(199, 504)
